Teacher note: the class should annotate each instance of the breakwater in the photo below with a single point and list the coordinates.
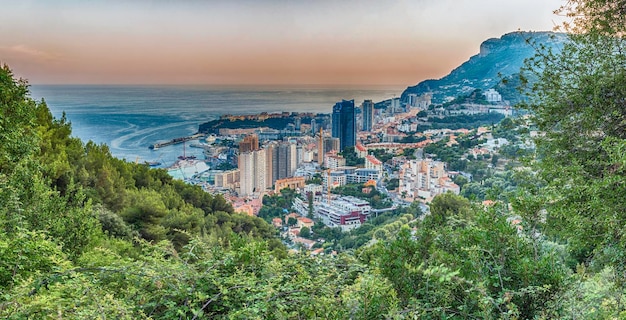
(158, 145)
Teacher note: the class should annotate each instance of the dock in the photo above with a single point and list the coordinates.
(158, 145)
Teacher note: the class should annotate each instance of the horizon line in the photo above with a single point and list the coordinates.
(224, 84)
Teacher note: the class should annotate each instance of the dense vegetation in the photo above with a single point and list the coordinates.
(462, 121)
(213, 126)
(87, 236)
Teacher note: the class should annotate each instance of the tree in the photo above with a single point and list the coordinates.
(579, 105)
(494, 160)
(305, 232)
(446, 205)
(309, 198)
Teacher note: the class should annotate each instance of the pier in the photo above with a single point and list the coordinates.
(158, 145)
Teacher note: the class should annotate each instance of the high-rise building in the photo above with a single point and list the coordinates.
(281, 161)
(252, 168)
(249, 143)
(368, 115)
(344, 123)
(331, 144)
(320, 147)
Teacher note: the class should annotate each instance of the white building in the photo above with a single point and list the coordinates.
(492, 96)
(344, 212)
(334, 161)
(313, 188)
(334, 178)
(425, 179)
(252, 166)
(371, 162)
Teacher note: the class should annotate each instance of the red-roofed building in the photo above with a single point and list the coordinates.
(361, 151)
(277, 222)
(372, 163)
(305, 222)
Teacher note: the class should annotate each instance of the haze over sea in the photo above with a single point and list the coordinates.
(129, 118)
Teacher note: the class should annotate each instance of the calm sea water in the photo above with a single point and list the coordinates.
(130, 118)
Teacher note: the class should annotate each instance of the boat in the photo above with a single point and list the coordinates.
(153, 163)
(185, 156)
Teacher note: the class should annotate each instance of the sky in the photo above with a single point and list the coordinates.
(338, 42)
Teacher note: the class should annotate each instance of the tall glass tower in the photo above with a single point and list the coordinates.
(344, 123)
(368, 115)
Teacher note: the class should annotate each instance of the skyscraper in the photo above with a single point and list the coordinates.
(281, 161)
(252, 172)
(344, 123)
(320, 147)
(368, 115)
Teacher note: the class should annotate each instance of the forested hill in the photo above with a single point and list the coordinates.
(498, 58)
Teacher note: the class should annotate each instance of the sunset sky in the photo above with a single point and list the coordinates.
(254, 42)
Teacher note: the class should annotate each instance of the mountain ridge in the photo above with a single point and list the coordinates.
(498, 58)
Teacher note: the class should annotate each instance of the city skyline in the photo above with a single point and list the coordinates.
(247, 43)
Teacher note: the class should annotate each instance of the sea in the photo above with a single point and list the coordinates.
(129, 118)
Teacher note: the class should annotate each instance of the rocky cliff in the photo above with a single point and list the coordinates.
(498, 58)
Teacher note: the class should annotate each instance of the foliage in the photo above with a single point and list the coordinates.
(352, 159)
(462, 121)
(305, 232)
(474, 97)
(412, 138)
(381, 154)
(278, 123)
(467, 267)
(277, 205)
(454, 152)
(393, 184)
(579, 108)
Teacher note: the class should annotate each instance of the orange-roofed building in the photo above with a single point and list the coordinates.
(370, 183)
(361, 151)
(305, 222)
(277, 222)
(371, 162)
